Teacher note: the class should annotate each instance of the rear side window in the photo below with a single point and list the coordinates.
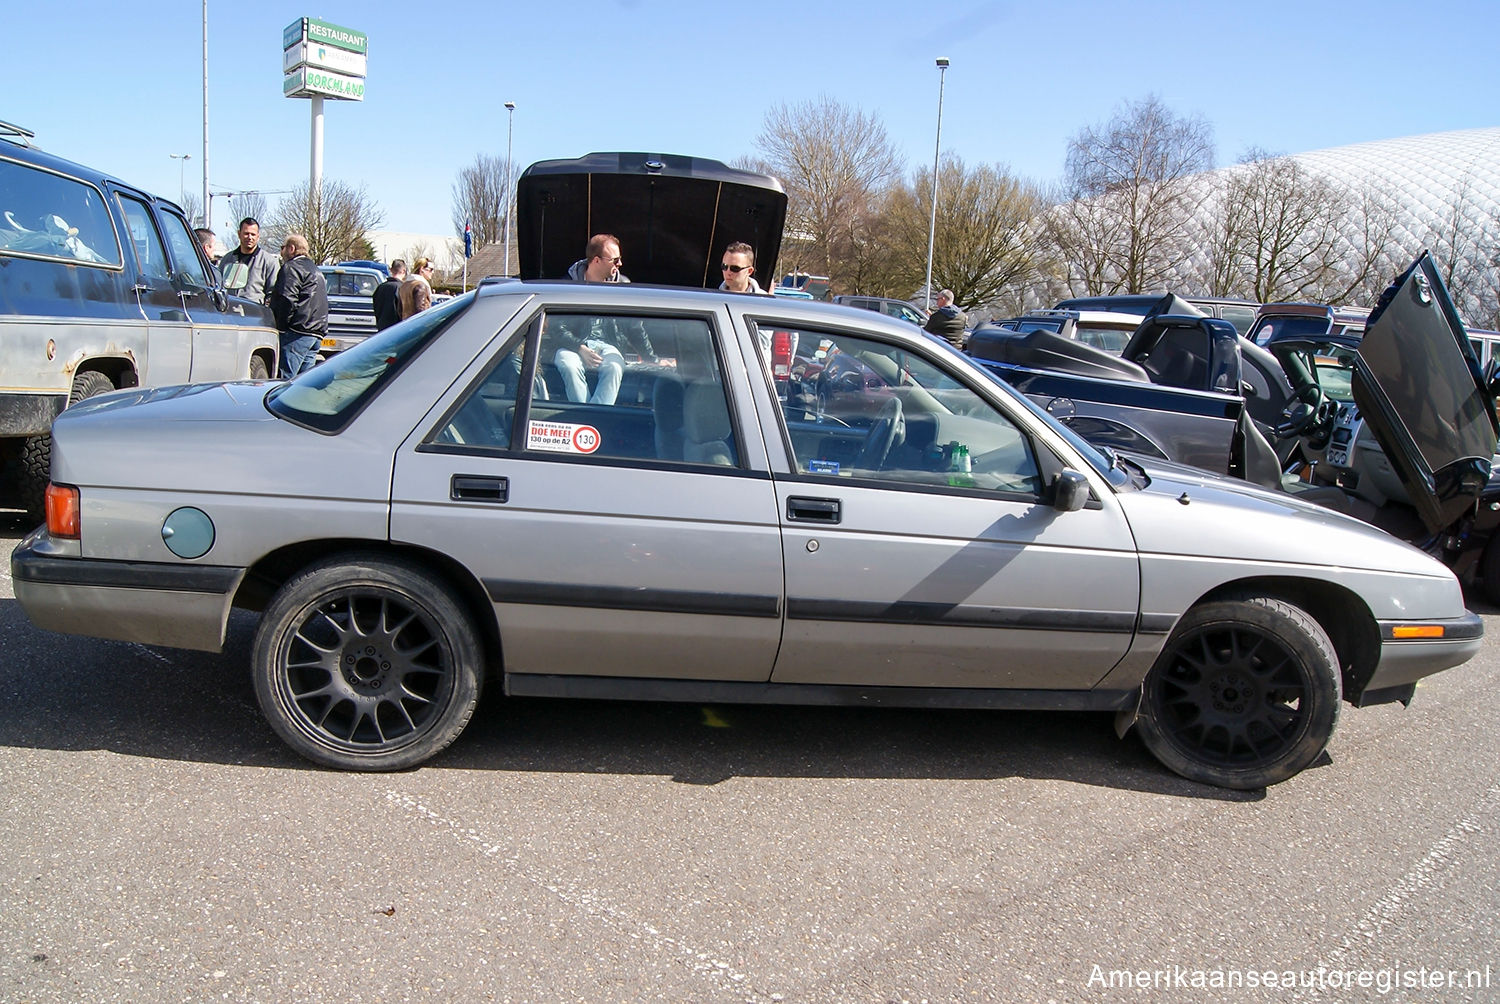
(150, 255)
(46, 215)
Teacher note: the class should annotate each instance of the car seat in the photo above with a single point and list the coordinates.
(705, 425)
(666, 411)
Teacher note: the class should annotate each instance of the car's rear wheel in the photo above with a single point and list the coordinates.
(36, 452)
(1245, 694)
(258, 369)
(366, 662)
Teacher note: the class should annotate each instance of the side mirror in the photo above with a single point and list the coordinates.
(1070, 491)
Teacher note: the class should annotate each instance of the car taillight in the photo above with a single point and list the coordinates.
(62, 510)
(781, 354)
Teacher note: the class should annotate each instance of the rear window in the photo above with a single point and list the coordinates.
(328, 396)
(351, 283)
(47, 215)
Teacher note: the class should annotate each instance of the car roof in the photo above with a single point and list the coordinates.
(17, 146)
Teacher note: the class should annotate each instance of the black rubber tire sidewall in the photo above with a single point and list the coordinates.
(1302, 636)
(416, 586)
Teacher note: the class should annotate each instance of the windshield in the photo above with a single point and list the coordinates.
(328, 396)
(1106, 466)
(1280, 326)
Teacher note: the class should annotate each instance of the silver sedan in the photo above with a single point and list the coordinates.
(595, 491)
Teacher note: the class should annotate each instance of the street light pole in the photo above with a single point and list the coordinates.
(510, 131)
(942, 65)
(182, 159)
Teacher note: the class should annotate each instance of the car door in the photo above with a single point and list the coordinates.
(215, 345)
(627, 534)
(920, 549)
(169, 333)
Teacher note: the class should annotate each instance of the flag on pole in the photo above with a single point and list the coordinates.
(468, 240)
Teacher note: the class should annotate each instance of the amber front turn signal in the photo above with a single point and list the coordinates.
(62, 510)
(1417, 631)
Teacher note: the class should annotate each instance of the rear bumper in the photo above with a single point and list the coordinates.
(1406, 660)
(154, 603)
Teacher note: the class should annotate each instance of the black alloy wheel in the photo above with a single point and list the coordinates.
(1246, 693)
(367, 663)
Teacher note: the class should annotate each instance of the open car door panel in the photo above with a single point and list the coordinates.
(1418, 386)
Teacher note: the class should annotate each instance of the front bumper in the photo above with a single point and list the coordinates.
(1404, 661)
(154, 603)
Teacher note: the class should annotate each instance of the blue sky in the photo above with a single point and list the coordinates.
(119, 88)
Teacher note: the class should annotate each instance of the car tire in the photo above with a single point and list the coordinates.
(1245, 694)
(258, 370)
(36, 452)
(367, 662)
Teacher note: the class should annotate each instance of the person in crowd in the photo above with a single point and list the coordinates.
(947, 321)
(415, 293)
(249, 270)
(583, 346)
(299, 302)
(387, 296)
(206, 240)
(738, 268)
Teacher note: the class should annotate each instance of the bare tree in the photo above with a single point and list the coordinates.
(479, 194)
(1463, 243)
(335, 220)
(192, 208)
(836, 163)
(985, 246)
(1131, 197)
(248, 204)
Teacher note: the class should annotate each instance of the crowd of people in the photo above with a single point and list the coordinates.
(294, 289)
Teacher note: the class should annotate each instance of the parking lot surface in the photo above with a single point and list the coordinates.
(157, 843)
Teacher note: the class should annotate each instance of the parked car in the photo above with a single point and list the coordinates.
(902, 310)
(1240, 313)
(1102, 329)
(351, 305)
(1282, 320)
(1289, 414)
(102, 286)
(380, 267)
(416, 518)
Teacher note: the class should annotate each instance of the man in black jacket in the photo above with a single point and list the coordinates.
(300, 305)
(387, 306)
(947, 321)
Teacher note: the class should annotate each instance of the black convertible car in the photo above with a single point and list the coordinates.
(1302, 413)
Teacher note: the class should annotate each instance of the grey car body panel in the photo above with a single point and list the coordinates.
(628, 572)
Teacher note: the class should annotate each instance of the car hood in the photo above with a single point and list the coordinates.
(1420, 391)
(674, 216)
(1188, 511)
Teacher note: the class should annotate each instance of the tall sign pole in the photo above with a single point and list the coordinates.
(206, 216)
(321, 60)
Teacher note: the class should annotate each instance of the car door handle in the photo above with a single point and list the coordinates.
(479, 488)
(808, 510)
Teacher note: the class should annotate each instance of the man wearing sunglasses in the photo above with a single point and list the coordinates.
(738, 269)
(600, 262)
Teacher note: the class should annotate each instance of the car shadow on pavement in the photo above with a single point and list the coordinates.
(73, 693)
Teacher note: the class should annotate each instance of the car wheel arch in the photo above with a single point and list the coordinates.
(273, 569)
(1342, 615)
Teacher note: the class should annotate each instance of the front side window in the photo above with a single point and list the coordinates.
(46, 215)
(604, 386)
(184, 249)
(854, 407)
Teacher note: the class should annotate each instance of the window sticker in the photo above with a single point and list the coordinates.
(562, 437)
(822, 467)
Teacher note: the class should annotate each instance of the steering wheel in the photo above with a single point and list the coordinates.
(888, 429)
(1305, 413)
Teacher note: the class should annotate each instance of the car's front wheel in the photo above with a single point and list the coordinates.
(1245, 694)
(367, 662)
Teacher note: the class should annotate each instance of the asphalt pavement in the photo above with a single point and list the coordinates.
(158, 843)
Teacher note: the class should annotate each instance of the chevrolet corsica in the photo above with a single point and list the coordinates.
(433, 511)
